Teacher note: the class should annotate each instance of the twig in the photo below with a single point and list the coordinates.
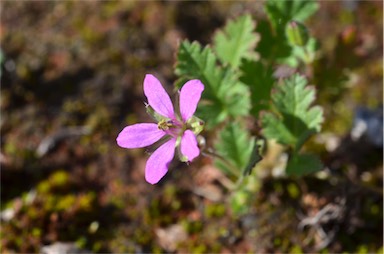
(49, 142)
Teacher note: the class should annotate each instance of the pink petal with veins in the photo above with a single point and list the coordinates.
(157, 97)
(188, 146)
(139, 135)
(189, 98)
(158, 162)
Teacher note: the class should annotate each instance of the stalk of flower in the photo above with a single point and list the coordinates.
(180, 127)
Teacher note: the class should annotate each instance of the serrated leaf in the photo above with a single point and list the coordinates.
(236, 41)
(272, 46)
(294, 98)
(280, 12)
(274, 43)
(296, 119)
(224, 95)
(236, 146)
(259, 79)
(301, 164)
(307, 52)
(274, 128)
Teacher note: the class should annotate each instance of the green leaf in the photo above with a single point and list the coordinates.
(301, 164)
(272, 46)
(280, 12)
(259, 79)
(224, 95)
(296, 33)
(236, 146)
(274, 128)
(307, 52)
(296, 119)
(236, 41)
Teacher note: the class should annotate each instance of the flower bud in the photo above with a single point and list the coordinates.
(196, 124)
(201, 141)
(296, 33)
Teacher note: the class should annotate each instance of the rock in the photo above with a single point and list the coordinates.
(62, 248)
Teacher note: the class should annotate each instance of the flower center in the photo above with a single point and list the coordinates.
(172, 127)
(164, 125)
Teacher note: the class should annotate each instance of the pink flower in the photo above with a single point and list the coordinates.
(180, 128)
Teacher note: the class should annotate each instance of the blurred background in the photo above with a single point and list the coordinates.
(71, 80)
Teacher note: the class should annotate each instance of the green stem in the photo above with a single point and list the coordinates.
(233, 170)
(307, 56)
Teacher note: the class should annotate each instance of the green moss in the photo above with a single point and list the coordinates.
(36, 232)
(293, 190)
(141, 236)
(176, 205)
(86, 201)
(192, 227)
(278, 187)
(50, 203)
(169, 192)
(324, 251)
(362, 249)
(214, 210)
(199, 249)
(375, 209)
(10, 148)
(239, 202)
(157, 250)
(215, 247)
(65, 202)
(97, 246)
(43, 187)
(33, 212)
(81, 242)
(277, 241)
(296, 249)
(59, 178)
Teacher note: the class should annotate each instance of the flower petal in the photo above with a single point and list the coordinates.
(139, 135)
(157, 164)
(188, 146)
(189, 98)
(158, 97)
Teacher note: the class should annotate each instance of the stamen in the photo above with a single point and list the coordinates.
(164, 125)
